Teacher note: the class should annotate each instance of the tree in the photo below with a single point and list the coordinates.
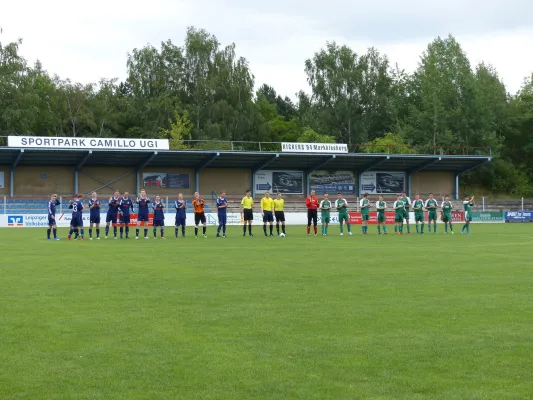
(310, 136)
(350, 92)
(180, 130)
(391, 143)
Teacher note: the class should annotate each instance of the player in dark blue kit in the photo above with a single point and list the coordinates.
(76, 225)
(222, 206)
(52, 225)
(181, 208)
(94, 217)
(143, 202)
(125, 207)
(112, 214)
(159, 217)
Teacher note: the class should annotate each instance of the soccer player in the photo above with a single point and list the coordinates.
(181, 206)
(407, 204)
(143, 202)
(467, 204)
(325, 211)
(267, 205)
(381, 206)
(312, 204)
(199, 214)
(112, 214)
(94, 216)
(447, 214)
(125, 208)
(431, 206)
(52, 224)
(247, 203)
(222, 206)
(159, 217)
(365, 213)
(342, 207)
(279, 205)
(76, 224)
(418, 207)
(399, 210)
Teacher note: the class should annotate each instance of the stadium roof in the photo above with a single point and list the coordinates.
(254, 160)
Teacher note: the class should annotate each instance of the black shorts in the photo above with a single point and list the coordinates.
(248, 214)
(280, 216)
(268, 217)
(111, 218)
(312, 217)
(199, 217)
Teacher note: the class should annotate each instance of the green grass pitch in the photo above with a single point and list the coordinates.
(352, 317)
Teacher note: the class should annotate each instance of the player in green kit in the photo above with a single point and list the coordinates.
(325, 207)
(407, 203)
(467, 204)
(447, 214)
(431, 206)
(365, 213)
(418, 207)
(381, 206)
(341, 206)
(399, 209)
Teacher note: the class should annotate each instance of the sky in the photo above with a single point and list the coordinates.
(87, 41)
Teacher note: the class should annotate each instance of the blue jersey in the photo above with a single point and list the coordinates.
(180, 211)
(222, 202)
(143, 204)
(126, 206)
(77, 207)
(95, 211)
(159, 213)
(113, 206)
(52, 207)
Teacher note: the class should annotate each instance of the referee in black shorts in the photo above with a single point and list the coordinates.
(247, 212)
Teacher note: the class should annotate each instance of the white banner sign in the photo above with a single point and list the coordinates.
(87, 143)
(382, 182)
(287, 182)
(314, 148)
(2, 180)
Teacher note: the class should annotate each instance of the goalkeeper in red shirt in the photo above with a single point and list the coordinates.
(312, 204)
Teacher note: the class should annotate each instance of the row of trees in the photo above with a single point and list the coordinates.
(202, 90)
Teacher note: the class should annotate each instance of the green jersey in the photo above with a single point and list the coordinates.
(468, 206)
(418, 206)
(399, 207)
(447, 207)
(365, 206)
(341, 205)
(430, 203)
(380, 207)
(325, 206)
(406, 202)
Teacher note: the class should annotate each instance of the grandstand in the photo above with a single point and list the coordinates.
(30, 175)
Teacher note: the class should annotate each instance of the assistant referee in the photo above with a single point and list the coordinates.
(247, 212)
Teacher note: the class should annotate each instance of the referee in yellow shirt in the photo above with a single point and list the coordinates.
(247, 212)
(267, 206)
(279, 205)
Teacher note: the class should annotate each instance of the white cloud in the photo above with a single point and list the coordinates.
(89, 41)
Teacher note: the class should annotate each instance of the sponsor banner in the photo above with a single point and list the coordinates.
(2, 180)
(164, 180)
(87, 143)
(330, 148)
(286, 182)
(487, 216)
(457, 216)
(332, 182)
(355, 218)
(382, 182)
(518, 216)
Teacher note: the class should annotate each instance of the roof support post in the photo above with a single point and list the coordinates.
(12, 173)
